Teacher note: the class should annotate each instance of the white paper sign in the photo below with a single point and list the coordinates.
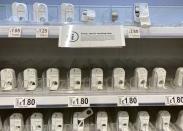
(133, 32)
(173, 100)
(25, 102)
(128, 101)
(91, 36)
(15, 32)
(42, 32)
(78, 101)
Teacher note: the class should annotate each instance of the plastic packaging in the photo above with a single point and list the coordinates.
(19, 12)
(40, 12)
(118, 78)
(158, 78)
(14, 123)
(123, 121)
(102, 121)
(97, 79)
(141, 14)
(56, 122)
(163, 122)
(67, 13)
(8, 79)
(88, 15)
(179, 122)
(178, 81)
(143, 122)
(30, 79)
(52, 79)
(140, 78)
(35, 122)
(75, 78)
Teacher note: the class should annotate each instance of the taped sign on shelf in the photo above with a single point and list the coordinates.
(174, 100)
(78, 101)
(25, 102)
(133, 32)
(91, 36)
(15, 31)
(128, 100)
(42, 32)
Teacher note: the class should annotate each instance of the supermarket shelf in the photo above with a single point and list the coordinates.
(50, 101)
(162, 32)
(151, 32)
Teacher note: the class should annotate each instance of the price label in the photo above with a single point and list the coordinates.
(15, 32)
(173, 100)
(25, 102)
(78, 101)
(128, 101)
(42, 32)
(133, 32)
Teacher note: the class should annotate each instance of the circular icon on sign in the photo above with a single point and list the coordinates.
(74, 36)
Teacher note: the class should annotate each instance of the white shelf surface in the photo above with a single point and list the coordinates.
(53, 101)
(150, 32)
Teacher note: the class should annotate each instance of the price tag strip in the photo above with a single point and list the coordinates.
(174, 100)
(133, 32)
(25, 102)
(90, 100)
(15, 32)
(42, 32)
(128, 100)
(78, 101)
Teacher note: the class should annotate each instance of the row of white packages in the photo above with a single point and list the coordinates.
(40, 12)
(20, 12)
(52, 78)
(56, 122)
